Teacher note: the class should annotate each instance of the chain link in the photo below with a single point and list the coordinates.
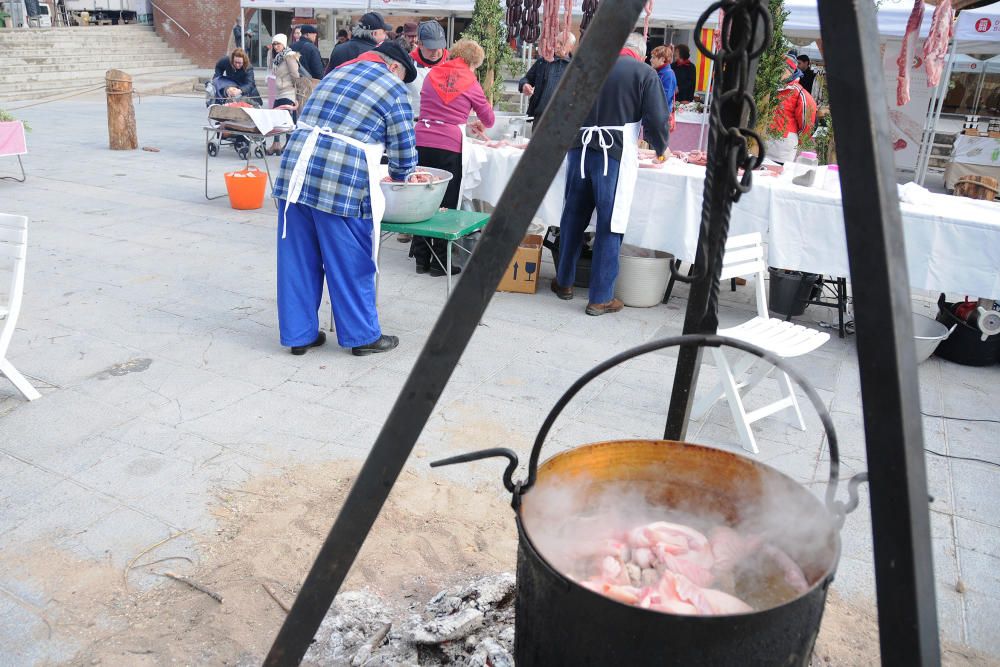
(730, 145)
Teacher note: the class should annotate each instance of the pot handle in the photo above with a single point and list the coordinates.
(836, 507)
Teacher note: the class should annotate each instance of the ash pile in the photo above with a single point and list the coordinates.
(469, 624)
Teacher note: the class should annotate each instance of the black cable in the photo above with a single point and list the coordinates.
(961, 419)
(961, 458)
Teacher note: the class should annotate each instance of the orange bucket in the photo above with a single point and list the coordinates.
(246, 188)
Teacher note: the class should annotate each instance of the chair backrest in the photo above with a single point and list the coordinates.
(745, 257)
(13, 248)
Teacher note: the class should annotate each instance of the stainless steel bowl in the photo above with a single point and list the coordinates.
(414, 202)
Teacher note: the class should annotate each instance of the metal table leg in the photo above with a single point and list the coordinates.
(207, 132)
(448, 268)
(24, 176)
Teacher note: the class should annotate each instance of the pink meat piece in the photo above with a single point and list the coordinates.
(730, 547)
(612, 570)
(642, 557)
(903, 61)
(616, 548)
(689, 567)
(900, 144)
(420, 177)
(706, 601)
(794, 576)
(626, 594)
(724, 603)
(675, 533)
(936, 46)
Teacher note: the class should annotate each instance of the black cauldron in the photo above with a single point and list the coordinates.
(560, 622)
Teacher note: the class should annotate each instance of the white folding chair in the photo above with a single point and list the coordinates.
(13, 246)
(745, 257)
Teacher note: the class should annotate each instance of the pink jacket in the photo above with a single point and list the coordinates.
(438, 124)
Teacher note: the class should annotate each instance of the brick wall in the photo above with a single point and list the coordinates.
(209, 22)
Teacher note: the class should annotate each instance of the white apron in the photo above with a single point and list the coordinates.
(465, 154)
(628, 170)
(373, 157)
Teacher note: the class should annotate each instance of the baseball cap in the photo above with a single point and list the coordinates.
(393, 50)
(431, 35)
(410, 28)
(373, 21)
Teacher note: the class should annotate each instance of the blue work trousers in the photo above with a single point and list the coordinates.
(583, 195)
(318, 245)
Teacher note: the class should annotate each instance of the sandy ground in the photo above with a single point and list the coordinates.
(432, 533)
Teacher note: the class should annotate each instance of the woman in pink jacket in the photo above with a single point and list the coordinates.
(449, 93)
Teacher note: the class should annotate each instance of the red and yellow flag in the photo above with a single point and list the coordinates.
(703, 64)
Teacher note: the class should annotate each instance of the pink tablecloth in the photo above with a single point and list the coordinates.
(12, 139)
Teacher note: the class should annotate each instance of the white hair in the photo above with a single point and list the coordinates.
(569, 37)
(637, 43)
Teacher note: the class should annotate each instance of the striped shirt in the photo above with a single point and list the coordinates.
(366, 102)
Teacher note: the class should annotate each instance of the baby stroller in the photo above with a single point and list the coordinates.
(215, 94)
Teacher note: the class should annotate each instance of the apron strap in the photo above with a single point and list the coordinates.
(604, 139)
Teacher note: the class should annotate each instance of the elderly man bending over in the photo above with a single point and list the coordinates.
(330, 202)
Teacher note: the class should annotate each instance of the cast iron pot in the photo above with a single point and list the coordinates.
(559, 622)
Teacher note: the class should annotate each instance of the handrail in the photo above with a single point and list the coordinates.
(170, 18)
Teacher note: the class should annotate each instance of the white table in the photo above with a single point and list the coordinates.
(952, 243)
(972, 156)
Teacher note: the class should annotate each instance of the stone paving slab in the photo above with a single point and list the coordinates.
(149, 327)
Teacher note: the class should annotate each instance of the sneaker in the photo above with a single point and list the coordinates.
(564, 293)
(383, 344)
(301, 349)
(612, 306)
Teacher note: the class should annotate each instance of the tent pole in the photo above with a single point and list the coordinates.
(979, 89)
(243, 30)
(937, 104)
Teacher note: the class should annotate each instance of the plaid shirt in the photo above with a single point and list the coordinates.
(363, 101)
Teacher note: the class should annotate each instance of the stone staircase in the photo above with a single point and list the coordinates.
(41, 62)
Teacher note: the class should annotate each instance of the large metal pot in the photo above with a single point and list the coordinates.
(414, 202)
(559, 622)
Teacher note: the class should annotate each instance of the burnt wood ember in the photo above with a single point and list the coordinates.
(469, 624)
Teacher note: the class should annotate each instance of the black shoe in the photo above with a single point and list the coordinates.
(301, 349)
(436, 271)
(383, 344)
(423, 268)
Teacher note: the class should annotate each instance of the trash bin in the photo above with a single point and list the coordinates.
(790, 290)
(642, 276)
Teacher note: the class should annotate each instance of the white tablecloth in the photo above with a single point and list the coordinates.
(952, 243)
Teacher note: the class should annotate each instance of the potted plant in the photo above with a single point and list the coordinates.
(5, 20)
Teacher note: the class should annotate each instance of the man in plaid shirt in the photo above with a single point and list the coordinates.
(325, 223)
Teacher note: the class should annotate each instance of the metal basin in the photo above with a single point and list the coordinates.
(927, 334)
(414, 202)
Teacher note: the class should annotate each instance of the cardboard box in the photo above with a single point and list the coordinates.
(522, 274)
(971, 132)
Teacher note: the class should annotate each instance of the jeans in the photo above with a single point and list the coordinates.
(583, 195)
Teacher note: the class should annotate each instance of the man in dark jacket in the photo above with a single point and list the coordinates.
(601, 170)
(687, 75)
(808, 73)
(542, 79)
(309, 55)
(366, 35)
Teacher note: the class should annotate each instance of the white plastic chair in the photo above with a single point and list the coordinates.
(745, 257)
(13, 247)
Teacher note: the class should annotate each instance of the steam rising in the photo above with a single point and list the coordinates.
(571, 519)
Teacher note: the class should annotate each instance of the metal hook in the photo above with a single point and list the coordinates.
(495, 452)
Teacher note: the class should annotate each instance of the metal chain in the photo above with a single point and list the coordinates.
(730, 144)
